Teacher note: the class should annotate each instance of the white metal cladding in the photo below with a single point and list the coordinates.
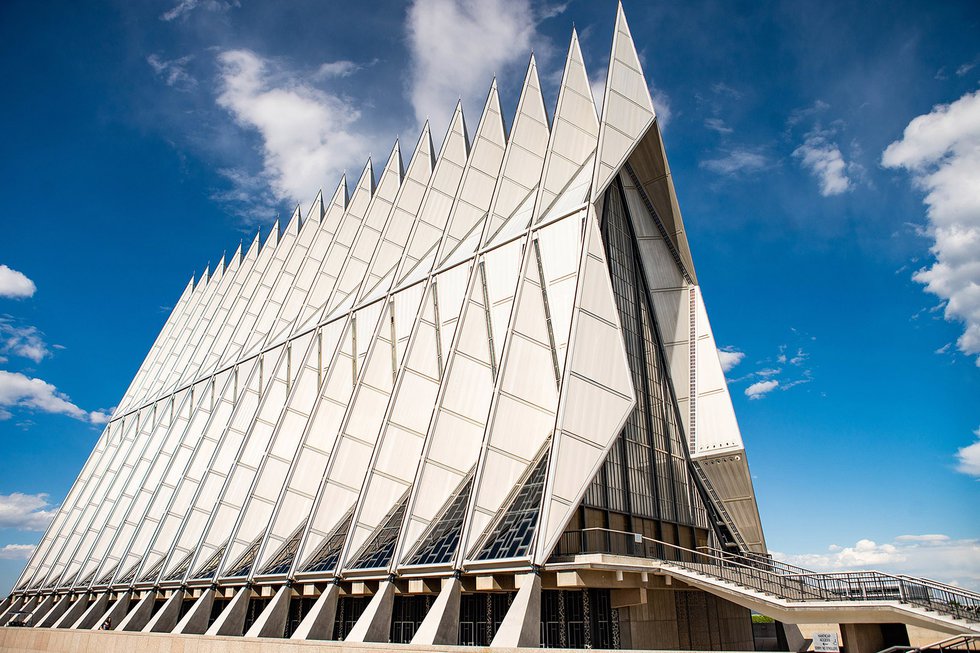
(324, 396)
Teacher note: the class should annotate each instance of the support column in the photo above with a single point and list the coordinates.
(195, 622)
(441, 623)
(522, 623)
(272, 621)
(93, 615)
(55, 613)
(42, 609)
(231, 621)
(12, 607)
(116, 613)
(318, 624)
(165, 621)
(6, 603)
(140, 615)
(73, 611)
(375, 623)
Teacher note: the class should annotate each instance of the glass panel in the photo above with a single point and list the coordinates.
(379, 550)
(512, 537)
(440, 544)
(326, 558)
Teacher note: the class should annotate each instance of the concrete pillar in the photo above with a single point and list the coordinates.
(6, 603)
(72, 611)
(29, 604)
(140, 615)
(231, 621)
(43, 608)
(868, 638)
(116, 613)
(93, 615)
(441, 623)
(522, 623)
(55, 613)
(272, 621)
(375, 623)
(195, 622)
(165, 620)
(12, 607)
(319, 622)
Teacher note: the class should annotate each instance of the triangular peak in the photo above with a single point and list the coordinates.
(424, 150)
(205, 276)
(366, 180)
(524, 158)
(273, 238)
(393, 168)
(627, 107)
(316, 209)
(292, 227)
(253, 249)
(480, 175)
(236, 257)
(574, 132)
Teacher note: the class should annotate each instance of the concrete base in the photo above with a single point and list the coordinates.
(869, 638)
(441, 624)
(375, 623)
(54, 614)
(522, 623)
(195, 622)
(93, 616)
(231, 621)
(73, 611)
(318, 623)
(272, 621)
(116, 613)
(140, 615)
(165, 620)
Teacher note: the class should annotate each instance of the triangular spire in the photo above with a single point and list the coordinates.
(479, 178)
(273, 237)
(316, 209)
(205, 276)
(340, 197)
(627, 108)
(524, 158)
(574, 133)
(293, 225)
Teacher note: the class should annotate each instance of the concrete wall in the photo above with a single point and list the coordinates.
(686, 620)
(35, 640)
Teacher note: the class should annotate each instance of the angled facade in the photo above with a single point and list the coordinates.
(425, 410)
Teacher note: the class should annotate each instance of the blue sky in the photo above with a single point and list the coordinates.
(826, 157)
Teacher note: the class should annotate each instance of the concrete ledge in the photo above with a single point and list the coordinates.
(35, 640)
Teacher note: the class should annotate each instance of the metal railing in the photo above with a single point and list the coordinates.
(788, 582)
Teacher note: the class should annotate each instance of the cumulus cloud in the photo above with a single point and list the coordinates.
(730, 357)
(15, 284)
(456, 46)
(737, 161)
(941, 150)
(25, 512)
(760, 389)
(17, 390)
(24, 341)
(309, 136)
(968, 457)
(16, 551)
(823, 158)
(935, 556)
(173, 71)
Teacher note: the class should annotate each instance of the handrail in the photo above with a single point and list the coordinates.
(776, 578)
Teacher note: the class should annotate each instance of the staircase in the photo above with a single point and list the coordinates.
(790, 593)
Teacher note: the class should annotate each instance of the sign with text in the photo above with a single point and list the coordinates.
(825, 643)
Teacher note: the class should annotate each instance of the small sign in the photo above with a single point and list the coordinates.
(825, 643)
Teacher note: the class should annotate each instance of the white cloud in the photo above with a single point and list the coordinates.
(823, 158)
(17, 390)
(935, 556)
(15, 284)
(968, 457)
(23, 341)
(341, 68)
(737, 161)
(941, 149)
(760, 389)
(456, 46)
(25, 512)
(16, 551)
(184, 7)
(730, 357)
(309, 136)
(661, 106)
(173, 71)
(718, 125)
